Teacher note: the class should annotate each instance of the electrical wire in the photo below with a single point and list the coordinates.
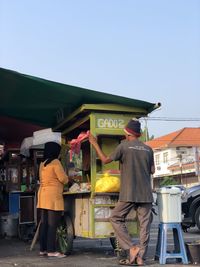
(170, 119)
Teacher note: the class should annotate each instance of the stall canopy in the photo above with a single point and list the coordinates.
(43, 103)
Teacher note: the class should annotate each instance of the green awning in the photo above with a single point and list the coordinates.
(39, 101)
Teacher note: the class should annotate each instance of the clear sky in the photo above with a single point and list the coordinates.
(142, 49)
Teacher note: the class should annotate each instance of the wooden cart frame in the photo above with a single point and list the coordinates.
(87, 213)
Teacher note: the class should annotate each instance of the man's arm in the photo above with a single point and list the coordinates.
(105, 159)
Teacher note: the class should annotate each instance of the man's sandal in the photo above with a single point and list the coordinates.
(126, 262)
(140, 261)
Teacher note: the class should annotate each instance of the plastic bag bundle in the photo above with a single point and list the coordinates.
(107, 184)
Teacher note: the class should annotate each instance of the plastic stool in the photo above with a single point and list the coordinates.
(179, 247)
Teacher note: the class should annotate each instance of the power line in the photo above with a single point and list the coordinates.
(170, 119)
(182, 140)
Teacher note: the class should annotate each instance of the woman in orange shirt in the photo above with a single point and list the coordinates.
(50, 198)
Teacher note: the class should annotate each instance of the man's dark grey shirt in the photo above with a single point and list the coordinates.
(136, 160)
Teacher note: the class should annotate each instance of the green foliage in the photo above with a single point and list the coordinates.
(145, 135)
(151, 138)
(168, 181)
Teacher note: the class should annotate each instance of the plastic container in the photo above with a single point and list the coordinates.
(193, 252)
(46, 135)
(169, 205)
(9, 225)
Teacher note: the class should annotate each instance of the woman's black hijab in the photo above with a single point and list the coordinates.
(51, 152)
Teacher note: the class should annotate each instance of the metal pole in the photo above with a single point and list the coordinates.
(180, 164)
(197, 163)
(145, 130)
(181, 172)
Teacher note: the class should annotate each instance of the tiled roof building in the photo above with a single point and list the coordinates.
(177, 156)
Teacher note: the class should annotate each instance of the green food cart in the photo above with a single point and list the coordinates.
(86, 211)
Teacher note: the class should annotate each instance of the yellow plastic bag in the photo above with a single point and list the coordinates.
(107, 184)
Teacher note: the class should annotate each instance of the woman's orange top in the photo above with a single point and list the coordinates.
(52, 180)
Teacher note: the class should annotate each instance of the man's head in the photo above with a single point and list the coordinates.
(133, 128)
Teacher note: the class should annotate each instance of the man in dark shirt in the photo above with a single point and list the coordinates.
(137, 165)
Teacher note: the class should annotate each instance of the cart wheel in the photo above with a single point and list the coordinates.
(65, 235)
(121, 253)
(114, 242)
(26, 231)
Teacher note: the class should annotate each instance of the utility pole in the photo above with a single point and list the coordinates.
(197, 171)
(146, 131)
(180, 157)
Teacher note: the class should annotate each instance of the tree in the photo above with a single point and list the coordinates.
(168, 181)
(145, 135)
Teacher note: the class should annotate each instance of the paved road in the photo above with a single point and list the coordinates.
(87, 253)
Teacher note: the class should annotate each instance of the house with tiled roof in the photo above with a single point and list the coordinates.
(177, 156)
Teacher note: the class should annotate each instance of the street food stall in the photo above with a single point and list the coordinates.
(31, 103)
(19, 182)
(87, 208)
